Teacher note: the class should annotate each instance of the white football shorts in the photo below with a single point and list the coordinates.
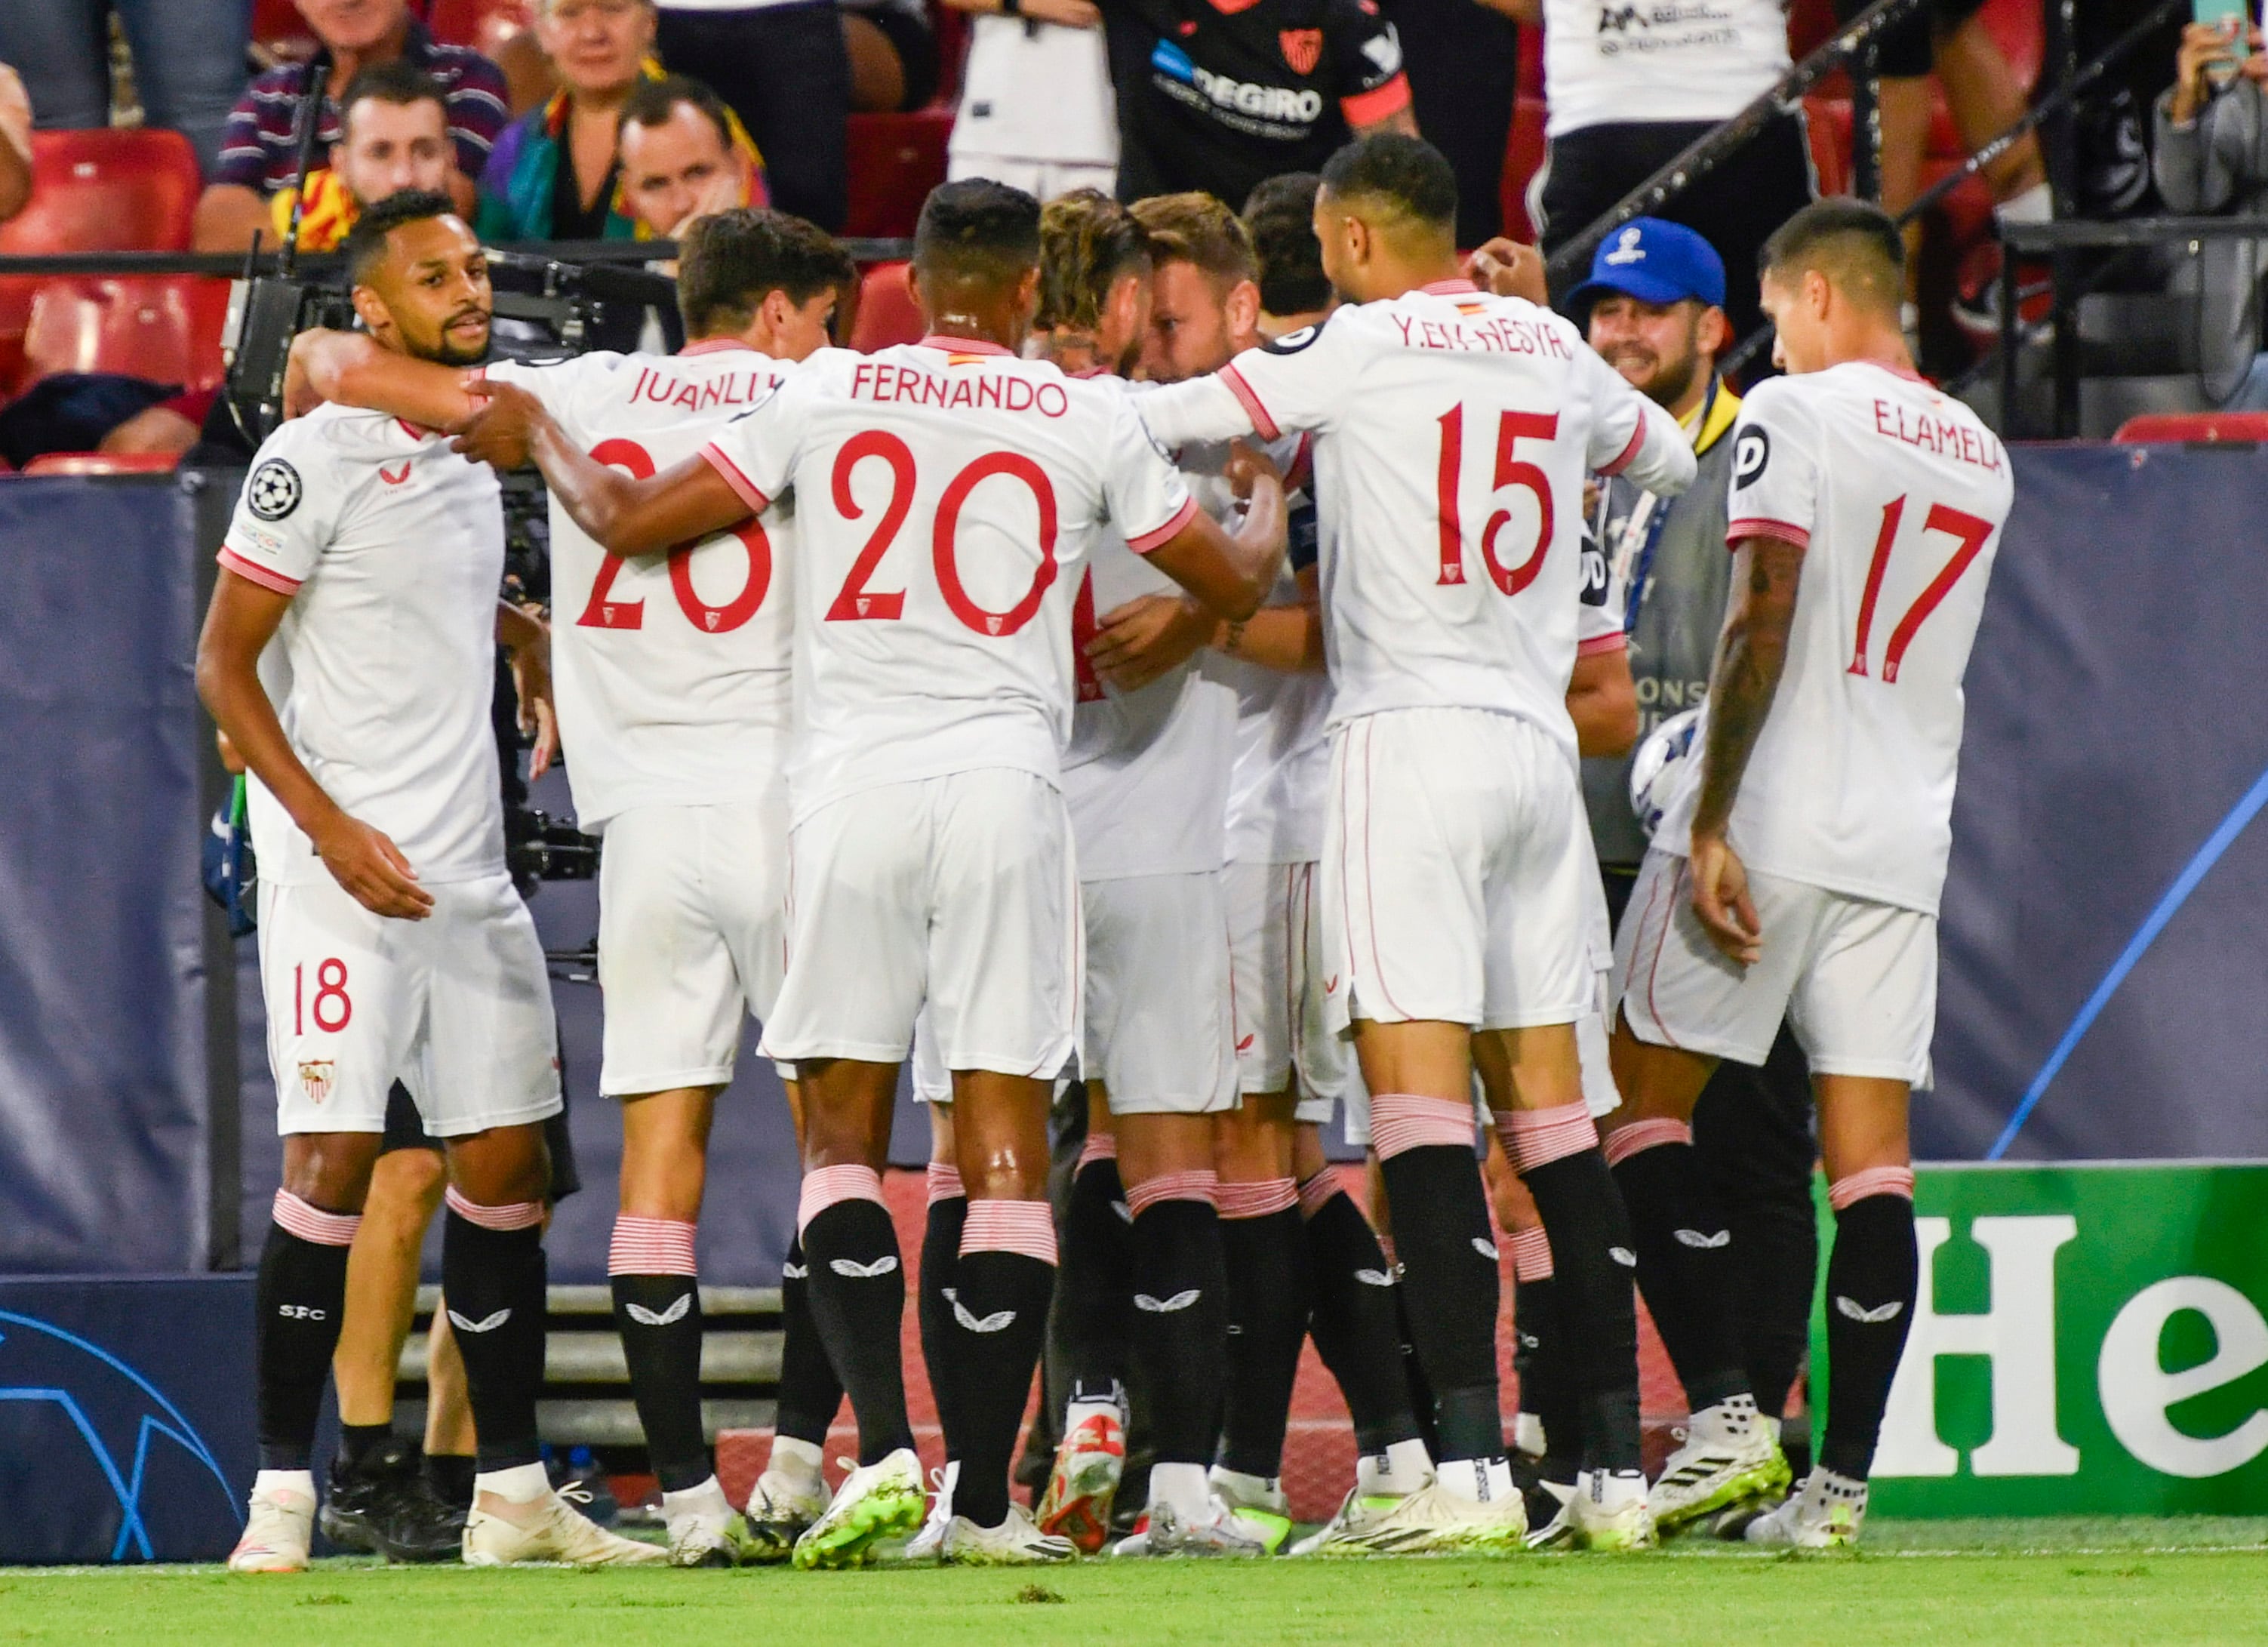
(960, 891)
(1160, 1023)
(1283, 1041)
(692, 938)
(1855, 980)
(456, 1006)
(1453, 862)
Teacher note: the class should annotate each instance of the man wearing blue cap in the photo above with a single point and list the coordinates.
(1653, 308)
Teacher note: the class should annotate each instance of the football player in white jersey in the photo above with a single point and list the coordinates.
(674, 711)
(1797, 873)
(930, 854)
(348, 656)
(1455, 865)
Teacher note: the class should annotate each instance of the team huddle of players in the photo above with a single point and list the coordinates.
(1211, 739)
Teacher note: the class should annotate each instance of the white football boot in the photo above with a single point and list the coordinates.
(876, 1504)
(1825, 1513)
(278, 1527)
(1728, 1458)
(1016, 1542)
(553, 1532)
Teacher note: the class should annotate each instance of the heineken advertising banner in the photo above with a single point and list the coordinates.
(2089, 1340)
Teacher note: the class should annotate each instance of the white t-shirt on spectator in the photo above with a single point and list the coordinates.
(1033, 90)
(1615, 60)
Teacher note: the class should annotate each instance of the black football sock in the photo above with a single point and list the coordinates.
(658, 1314)
(940, 1260)
(1179, 1338)
(1449, 1276)
(301, 1298)
(858, 1299)
(1872, 1274)
(449, 1476)
(1095, 1294)
(1556, 1153)
(997, 1321)
(1752, 1130)
(1356, 1330)
(1685, 1249)
(1264, 1254)
(1547, 1387)
(810, 1394)
(492, 1284)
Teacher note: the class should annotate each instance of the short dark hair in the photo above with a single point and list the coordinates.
(730, 262)
(398, 83)
(654, 103)
(1088, 242)
(1195, 228)
(365, 243)
(1281, 215)
(977, 230)
(1855, 244)
(1408, 173)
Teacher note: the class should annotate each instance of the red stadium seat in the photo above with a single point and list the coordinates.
(887, 314)
(104, 463)
(107, 190)
(895, 160)
(2207, 426)
(166, 329)
(484, 25)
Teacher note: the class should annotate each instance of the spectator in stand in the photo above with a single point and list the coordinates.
(189, 62)
(261, 151)
(1464, 78)
(393, 134)
(1982, 92)
(1045, 145)
(1216, 97)
(683, 155)
(2212, 156)
(1294, 290)
(893, 56)
(1627, 94)
(556, 173)
(15, 145)
(783, 68)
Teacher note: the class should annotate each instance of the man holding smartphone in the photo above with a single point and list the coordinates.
(2211, 155)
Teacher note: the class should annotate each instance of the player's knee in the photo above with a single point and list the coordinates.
(503, 1166)
(330, 1170)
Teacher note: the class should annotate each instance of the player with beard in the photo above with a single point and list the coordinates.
(1795, 874)
(1455, 898)
(675, 688)
(365, 557)
(931, 855)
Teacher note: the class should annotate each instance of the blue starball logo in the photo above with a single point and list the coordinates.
(120, 1418)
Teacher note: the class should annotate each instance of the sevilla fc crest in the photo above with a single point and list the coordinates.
(1303, 49)
(316, 1079)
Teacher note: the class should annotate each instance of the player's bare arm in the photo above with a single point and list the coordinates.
(1602, 702)
(354, 369)
(1751, 654)
(526, 638)
(241, 621)
(1229, 575)
(686, 502)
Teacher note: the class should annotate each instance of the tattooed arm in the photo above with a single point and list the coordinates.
(1750, 655)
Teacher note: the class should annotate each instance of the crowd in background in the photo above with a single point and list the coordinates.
(623, 119)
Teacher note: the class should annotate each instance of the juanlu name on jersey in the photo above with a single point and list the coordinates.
(1484, 334)
(1946, 436)
(733, 388)
(883, 383)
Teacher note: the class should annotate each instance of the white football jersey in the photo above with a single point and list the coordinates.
(1898, 493)
(1449, 486)
(384, 668)
(671, 671)
(948, 496)
(1147, 777)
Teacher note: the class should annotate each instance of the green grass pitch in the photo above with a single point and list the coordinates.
(2074, 1583)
